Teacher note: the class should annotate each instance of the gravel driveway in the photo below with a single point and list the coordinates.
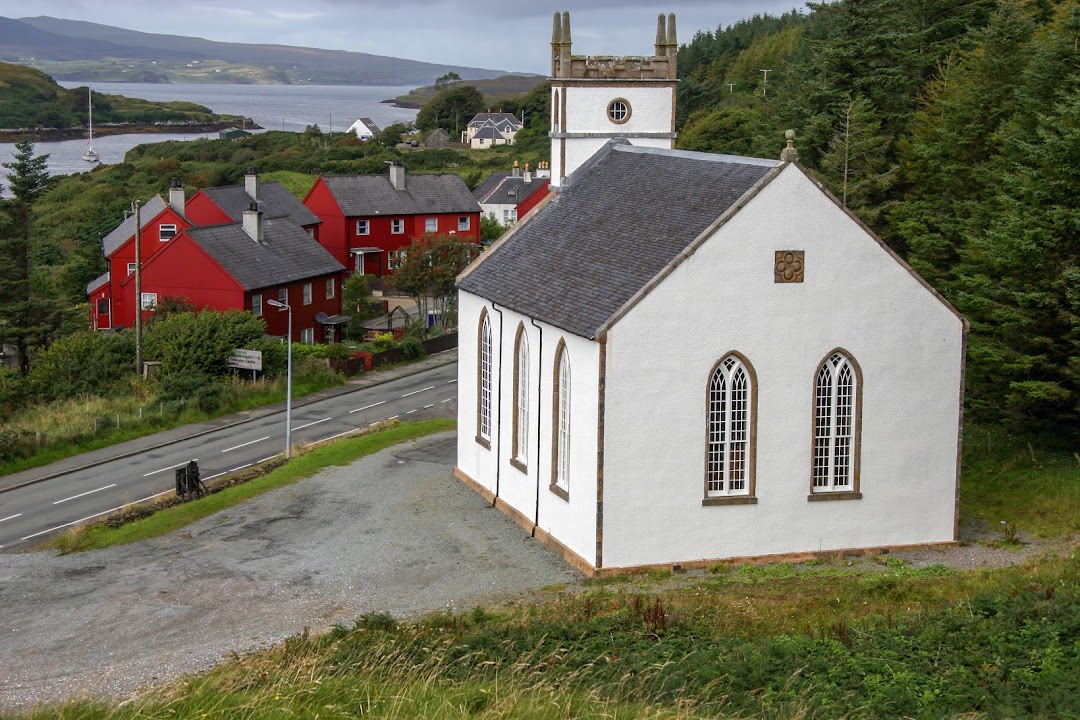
(393, 532)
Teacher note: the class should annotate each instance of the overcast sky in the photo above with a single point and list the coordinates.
(505, 35)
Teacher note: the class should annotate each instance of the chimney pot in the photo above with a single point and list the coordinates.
(397, 175)
(253, 224)
(176, 196)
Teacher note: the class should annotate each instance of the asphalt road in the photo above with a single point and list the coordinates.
(31, 513)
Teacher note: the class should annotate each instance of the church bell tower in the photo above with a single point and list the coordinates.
(597, 98)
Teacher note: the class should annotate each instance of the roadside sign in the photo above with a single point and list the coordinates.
(245, 359)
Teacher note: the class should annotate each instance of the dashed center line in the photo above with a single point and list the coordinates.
(88, 492)
(428, 406)
(368, 407)
(171, 467)
(10, 517)
(409, 412)
(311, 423)
(451, 382)
(91, 517)
(417, 392)
(252, 442)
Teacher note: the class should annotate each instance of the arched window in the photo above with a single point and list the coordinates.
(520, 445)
(560, 466)
(836, 424)
(483, 381)
(731, 407)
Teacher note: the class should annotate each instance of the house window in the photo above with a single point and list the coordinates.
(483, 382)
(395, 258)
(618, 111)
(520, 444)
(837, 389)
(149, 301)
(131, 268)
(256, 304)
(283, 297)
(397, 227)
(560, 465)
(307, 293)
(729, 450)
(330, 288)
(431, 225)
(307, 336)
(166, 232)
(463, 222)
(362, 227)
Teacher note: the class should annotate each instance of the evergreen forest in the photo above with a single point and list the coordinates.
(950, 127)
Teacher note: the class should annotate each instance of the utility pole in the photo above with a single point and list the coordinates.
(138, 288)
(730, 88)
(765, 87)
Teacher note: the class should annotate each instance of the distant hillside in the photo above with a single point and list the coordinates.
(30, 99)
(495, 91)
(83, 51)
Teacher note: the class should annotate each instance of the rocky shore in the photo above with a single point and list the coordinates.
(53, 134)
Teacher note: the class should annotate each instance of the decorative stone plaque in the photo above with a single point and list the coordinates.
(788, 267)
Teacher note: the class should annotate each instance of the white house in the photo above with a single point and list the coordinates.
(488, 129)
(684, 358)
(364, 128)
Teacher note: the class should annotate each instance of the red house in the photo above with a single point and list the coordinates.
(215, 206)
(111, 305)
(240, 266)
(368, 219)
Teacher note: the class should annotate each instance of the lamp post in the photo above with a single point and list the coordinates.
(288, 377)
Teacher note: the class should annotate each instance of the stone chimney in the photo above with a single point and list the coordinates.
(790, 154)
(560, 45)
(251, 183)
(253, 224)
(397, 175)
(528, 175)
(176, 196)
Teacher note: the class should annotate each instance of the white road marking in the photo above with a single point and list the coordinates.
(446, 400)
(417, 392)
(451, 382)
(171, 467)
(316, 442)
(88, 492)
(409, 412)
(237, 447)
(375, 423)
(393, 417)
(240, 468)
(311, 423)
(91, 517)
(215, 476)
(10, 517)
(266, 458)
(428, 406)
(368, 407)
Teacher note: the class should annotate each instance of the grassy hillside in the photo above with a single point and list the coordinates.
(495, 91)
(31, 99)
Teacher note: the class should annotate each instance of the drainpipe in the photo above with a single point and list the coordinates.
(539, 420)
(498, 412)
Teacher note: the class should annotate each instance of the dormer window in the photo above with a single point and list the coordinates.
(166, 232)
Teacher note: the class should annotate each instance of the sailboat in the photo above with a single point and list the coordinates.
(91, 154)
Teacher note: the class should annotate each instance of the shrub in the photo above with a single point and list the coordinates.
(16, 444)
(85, 363)
(383, 341)
(201, 342)
(412, 349)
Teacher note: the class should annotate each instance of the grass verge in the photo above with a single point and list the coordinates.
(340, 452)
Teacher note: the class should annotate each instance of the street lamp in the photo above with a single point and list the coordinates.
(288, 377)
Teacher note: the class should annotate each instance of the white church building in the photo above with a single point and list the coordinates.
(682, 358)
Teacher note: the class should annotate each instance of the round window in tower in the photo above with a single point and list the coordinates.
(618, 111)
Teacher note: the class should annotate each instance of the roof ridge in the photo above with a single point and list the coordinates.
(696, 155)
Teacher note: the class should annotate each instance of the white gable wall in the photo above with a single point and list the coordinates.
(573, 522)
(856, 297)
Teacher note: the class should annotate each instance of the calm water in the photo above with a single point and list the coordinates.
(275, 107)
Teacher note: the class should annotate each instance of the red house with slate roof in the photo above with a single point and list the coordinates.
(112, 300)
(240, 266)
(214, 206)
(368, 219)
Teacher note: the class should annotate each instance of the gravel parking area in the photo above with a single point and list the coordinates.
(393, 532)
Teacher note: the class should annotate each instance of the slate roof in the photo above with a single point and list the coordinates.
(363, 195)
(489, 132)
(96, 283)
(125, 230)
(616, 224)
(274, 200)
(498, 186)
(368, 124)
(481, 118)
(287, 253)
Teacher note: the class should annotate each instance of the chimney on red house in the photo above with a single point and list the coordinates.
(251, 183)
(397, 175)
(176, 196)
(253, 224)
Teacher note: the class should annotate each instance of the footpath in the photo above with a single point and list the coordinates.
(184, 432)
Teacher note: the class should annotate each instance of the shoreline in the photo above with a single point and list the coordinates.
(75, 133)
